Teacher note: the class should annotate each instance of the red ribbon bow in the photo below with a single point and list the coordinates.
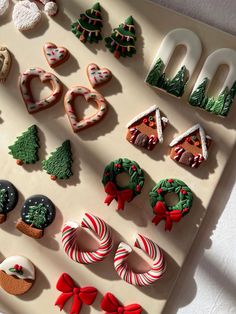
(120, 196)
(68, 288)
(161, 212)
(111, 305)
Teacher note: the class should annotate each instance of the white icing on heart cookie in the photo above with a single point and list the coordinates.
(18, 266)
(55, 55)
(50, 7)
(98, 76)
(86, 122)
(4, 4)
(5, 63)
(26, 15)
(24, 83)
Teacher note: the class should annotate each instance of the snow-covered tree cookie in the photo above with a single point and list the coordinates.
(8, 198)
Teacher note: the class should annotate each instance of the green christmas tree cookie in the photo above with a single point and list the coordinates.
(122, 40)
(58, 165)
(88, 26)
(25, 148)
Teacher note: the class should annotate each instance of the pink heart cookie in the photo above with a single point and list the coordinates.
(98, 76)
(55, 55)
(24, 82)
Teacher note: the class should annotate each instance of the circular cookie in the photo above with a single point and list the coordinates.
(37, 213)
(17, 275)
(166, 212)
(125, 193)
(8, 198)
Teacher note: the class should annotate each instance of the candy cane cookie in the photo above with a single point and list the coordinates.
(140, 279)
(79, 124)
(33, 105)
(70, 240)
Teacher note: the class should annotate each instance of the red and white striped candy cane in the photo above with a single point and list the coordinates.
(179, 151)
(134, 132)
(197, 160)
(140, 279)
(70, 240)
(152, 141)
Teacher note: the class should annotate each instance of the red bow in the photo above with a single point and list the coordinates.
(68, 288)
(120, 196)
(111, 305)
(161, 212)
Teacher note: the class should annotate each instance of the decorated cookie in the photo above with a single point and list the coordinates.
(191, 147)
(146, 129)
(55, 55)
(125, 193)
(98, 76)
(17, 275)
(80, 124)
(170, 213)
(33, 105)
(88, 26)
(221, 103)
(111, 305)
(50, 6)
(25, 149)
(26, 15)
(176, 85)
(59, 164)
(8, 198)
(37, 213)
(4, 5)
(122, 40)
(5, 63)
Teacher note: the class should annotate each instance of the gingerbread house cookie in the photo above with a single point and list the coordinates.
(146, 129)
(191, 147)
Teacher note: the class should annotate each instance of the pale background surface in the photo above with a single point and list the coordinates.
(207, 283)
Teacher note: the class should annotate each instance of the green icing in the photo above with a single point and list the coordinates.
(37, 216)
(26, 146)
(3, 199)
(219, 105)
(88, 26)
(60, 162)
(157, 78)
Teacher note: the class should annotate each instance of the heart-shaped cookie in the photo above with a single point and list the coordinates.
(5, 63)
(80, 124)
(26, 15)
(55, 55)
(24, 83)
(98, 76)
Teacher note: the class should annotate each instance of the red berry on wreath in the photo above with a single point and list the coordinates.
(170, 180)
(134, 168)
(183, 191)
(159, 191)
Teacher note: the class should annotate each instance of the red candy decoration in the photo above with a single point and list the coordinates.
(183, 191)
(159, 191)
(114, 194)
(161, 213)
(170, 180)
(111, 305)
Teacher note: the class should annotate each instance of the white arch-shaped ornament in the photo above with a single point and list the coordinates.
(174, 38)
(220, 104)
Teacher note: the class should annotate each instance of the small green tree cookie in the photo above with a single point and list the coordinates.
(25, 148)
(36, 216)
(58, 165)
(88, 26)
(122, 40)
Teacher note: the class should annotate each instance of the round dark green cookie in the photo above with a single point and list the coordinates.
(8, 198)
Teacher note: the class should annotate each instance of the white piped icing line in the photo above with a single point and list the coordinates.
(159, 120)
(28, 270)
(26, 15)
(191, 130)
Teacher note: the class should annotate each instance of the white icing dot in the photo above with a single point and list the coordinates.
(29, 201)
(12, 194)
(35, 202)
(8, 200)
(43, 200)
(8, 187)
(50, 214)
(23, 214)
(48, 206)
(24, 206)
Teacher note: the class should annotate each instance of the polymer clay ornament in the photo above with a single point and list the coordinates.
(59, 164)
(4, 5)
(122, 40)
(80, 295)
(162, 210)
(5, 63)
(191, 147)
(156, 76)
(78, 124)
(126, 193)
(8, 199)
(149, 247)
(146, 129)
(221, 103)
(17, 275)
(37, 213)
(55, 55)
(25, 149)
(110, 305)
(26, 15)
(50, 7)
(31, 104)
(70, 240)
(88, 27)
(98, 76)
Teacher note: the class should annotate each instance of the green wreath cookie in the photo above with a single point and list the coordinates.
(128, 192)
(167, 212)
